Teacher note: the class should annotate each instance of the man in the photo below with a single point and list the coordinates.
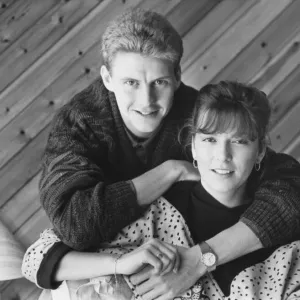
(113, 150)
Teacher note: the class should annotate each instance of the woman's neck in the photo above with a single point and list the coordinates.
(231, 198)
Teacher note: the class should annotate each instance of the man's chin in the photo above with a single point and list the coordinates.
(146, 131)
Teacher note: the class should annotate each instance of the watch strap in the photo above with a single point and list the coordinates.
(206, 249)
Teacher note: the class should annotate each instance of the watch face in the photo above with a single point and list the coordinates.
(209, 259)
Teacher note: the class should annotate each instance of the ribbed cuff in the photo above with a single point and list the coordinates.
(259, 232)
(49, 264)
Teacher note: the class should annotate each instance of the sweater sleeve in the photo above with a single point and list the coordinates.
(274, 216)
(83, 209)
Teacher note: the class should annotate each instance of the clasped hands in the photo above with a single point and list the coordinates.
(169, 271)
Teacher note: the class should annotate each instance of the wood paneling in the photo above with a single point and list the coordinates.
(49, 51)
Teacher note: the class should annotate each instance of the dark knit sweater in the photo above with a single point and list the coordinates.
(89, 161)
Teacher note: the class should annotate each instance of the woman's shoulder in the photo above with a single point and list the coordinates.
(180, 190)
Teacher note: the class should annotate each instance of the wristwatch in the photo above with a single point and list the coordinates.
(208, 256)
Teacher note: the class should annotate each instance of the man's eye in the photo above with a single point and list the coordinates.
(131, 82)
(160, 82)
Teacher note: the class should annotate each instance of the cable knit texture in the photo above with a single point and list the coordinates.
(274, 215)
(89, 161)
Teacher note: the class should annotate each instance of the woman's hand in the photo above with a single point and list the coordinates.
(161, 256)
(155, 286)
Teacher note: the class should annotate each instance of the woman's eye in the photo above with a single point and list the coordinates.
(241, 141)
(209, 140)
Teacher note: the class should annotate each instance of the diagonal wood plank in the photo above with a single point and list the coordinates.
(285, 95)
(183, 17)
(4, 5)
(161, 6)
(21, 289)
(278, 68)
(232, 42)
(40, 37)
(21, 206)
(286, 129)
(53, 63)
(31, 230)
(269, 42)
(211, 27)
(24, 127)
(22, 168)
(18, 17)
(293, 148)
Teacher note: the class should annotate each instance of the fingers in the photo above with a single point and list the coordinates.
(143, 275)
(146, 287)
(167, 254)
(152, 294)
(171, 256)
(155, 258)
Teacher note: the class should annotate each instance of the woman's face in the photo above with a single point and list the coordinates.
(225, 161)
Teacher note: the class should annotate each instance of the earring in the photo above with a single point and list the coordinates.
(257, 166)
(195, 164)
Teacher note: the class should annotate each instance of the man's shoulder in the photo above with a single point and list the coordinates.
(184, 102)
(89, 103)
(187, 89)
(185, 97)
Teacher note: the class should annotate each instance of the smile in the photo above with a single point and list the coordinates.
(147, 114)
(222, 171)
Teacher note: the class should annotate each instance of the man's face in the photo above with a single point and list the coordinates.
(144, 88)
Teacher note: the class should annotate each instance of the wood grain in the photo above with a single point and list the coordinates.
(50, 50)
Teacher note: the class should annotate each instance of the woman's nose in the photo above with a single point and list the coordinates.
(223, 152)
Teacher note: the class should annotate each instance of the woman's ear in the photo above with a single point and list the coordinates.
(106, 78)
(261, 154)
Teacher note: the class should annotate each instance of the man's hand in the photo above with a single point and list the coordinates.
(186, 171)
(170, 285)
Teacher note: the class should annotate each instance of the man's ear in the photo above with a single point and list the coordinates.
(193, 149)
(106, 78)
(178, 77)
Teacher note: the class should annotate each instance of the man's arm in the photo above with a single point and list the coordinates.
(274, 215)
(82, 207)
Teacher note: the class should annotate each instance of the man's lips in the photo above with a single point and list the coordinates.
(147, 113)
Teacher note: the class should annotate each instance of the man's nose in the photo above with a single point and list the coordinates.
(147, 96)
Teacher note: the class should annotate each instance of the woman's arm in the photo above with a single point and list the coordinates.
(48, 261)
(234, 242)
(75, 265)
(273, 218)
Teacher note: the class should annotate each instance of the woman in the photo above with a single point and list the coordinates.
(228, 136)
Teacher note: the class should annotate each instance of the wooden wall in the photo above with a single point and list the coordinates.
(49, 51)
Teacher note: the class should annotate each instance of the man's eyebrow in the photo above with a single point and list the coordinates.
(163, 77)
(128, 78)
